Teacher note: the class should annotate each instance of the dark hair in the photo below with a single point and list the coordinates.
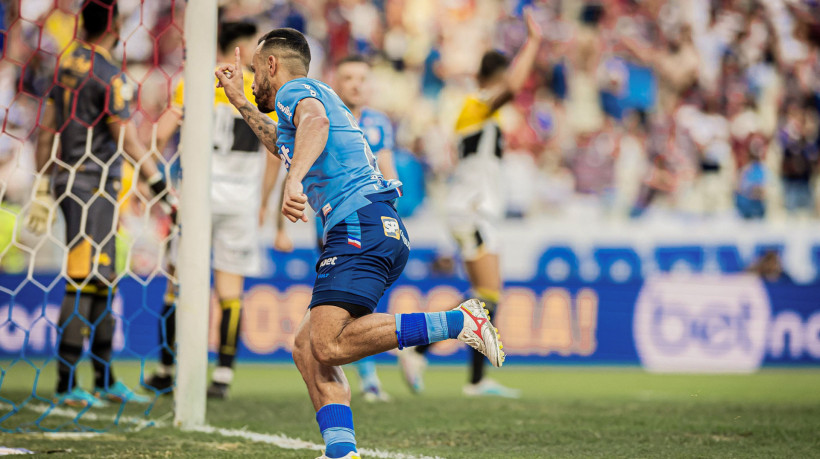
(98, 16)
(491, 63)
(287, 43)
(352, 59)
(229, 32)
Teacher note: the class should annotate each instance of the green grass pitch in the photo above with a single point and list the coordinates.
(565, 412)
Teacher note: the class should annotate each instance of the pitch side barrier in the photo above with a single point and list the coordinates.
(666, 322)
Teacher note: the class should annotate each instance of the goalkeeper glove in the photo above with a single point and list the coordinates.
(167, 196)
(40, 215)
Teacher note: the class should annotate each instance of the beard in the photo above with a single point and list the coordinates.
(264, 97)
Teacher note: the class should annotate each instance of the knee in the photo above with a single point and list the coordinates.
(326, 351)
(301, 351)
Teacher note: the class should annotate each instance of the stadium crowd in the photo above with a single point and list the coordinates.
(702, 108)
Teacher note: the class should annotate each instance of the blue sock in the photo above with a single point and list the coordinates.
(424, 328)
(336, 423)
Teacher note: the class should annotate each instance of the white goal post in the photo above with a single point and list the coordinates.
(193, 265)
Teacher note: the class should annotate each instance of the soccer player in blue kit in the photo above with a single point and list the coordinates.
(331, 167)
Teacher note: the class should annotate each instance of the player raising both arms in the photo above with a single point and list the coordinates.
(91, 96)
(474, 211)
(239, 196)
(330, 167)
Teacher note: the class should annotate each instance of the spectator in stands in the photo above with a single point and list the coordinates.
(769, 267)
(753, 179)
(798, 138)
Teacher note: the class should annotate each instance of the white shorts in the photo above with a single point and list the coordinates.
(234, 244)
(475, 206)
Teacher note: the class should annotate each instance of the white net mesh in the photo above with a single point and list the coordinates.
(103, 257)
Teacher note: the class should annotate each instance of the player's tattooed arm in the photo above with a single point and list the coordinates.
(231, 79)
(262, 125)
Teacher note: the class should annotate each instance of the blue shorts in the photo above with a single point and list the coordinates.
(361, 258)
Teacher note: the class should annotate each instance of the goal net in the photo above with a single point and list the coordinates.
(86, 229)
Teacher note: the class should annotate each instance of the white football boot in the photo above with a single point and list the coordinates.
(479, 333)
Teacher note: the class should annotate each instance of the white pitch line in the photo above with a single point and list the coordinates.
(91, 416)
(280, 441)
(70, 435)
(294, 443)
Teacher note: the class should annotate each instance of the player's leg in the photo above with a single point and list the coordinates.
(106, 386)
(341, 327)
(73, 327)
(329, 392)
(101, 226)
(483, 267)
(235, 255)
(484, 273)
(371, 385)
(228, 288)
(483, 270)
(485, 280)
(162, 380)
(332, 337)
(73, 324)
(462, 200)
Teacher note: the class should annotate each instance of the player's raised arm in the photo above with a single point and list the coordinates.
(522, 65)
(312, 129)
(230, 78)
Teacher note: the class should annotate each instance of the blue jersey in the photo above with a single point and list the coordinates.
(377, 130)
(345, 176)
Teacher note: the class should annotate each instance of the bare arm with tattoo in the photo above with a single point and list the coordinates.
(230, 78)
(262, 125)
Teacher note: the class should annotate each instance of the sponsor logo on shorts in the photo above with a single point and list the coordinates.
(391, 227)
(328, 262)
(326, 209)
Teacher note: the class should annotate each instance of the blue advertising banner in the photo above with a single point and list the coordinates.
(667, 322)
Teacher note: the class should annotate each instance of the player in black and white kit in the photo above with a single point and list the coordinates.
(243, 175)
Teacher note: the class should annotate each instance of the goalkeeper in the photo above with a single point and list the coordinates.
(91, 95)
